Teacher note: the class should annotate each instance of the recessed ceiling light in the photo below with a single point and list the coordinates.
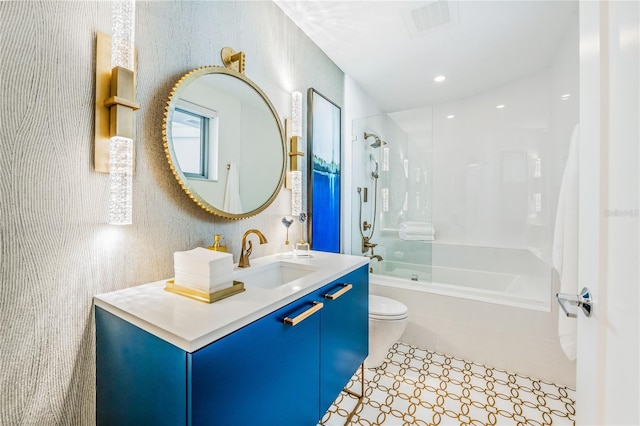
(565, 96)
(450, 116)
(500, 106)
(440, 79)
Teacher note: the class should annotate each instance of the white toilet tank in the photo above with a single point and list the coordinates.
(387, 321)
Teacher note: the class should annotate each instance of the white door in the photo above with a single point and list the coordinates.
(608, 376)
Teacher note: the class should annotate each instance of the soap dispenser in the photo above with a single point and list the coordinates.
(216, 244)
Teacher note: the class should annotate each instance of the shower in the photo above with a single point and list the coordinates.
(378, 143)
(365, 226)
(488, 213)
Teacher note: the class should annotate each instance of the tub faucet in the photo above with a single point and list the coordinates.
(367, 244)
(373, 255)
(246, 252)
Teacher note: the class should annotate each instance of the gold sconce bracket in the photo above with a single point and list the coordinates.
(293, 153)
(293, 146)
(232, 59)
(122, 89)
(115, 103)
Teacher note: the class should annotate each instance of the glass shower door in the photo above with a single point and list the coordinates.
(392, 189)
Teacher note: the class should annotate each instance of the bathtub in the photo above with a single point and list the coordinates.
(512, 277)
(487, 305)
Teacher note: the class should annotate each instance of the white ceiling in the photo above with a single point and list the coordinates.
(492, 43)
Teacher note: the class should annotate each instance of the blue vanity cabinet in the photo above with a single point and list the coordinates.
(140, 378)
(263, 374)
(268, 372)
(344, 329)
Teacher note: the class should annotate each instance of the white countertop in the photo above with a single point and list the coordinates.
(191, 325)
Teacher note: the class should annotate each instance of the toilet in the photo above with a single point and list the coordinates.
(388, 319)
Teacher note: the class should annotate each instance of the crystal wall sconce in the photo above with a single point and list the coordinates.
(294, 134)
(115, 106)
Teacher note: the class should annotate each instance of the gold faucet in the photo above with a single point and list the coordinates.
(246, 252)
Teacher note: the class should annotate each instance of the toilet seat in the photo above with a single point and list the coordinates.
(383, 308)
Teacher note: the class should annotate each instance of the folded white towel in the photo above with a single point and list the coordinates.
(203, 269)
(417, 228)
(203, 283)
(416, 231)
(415, 237)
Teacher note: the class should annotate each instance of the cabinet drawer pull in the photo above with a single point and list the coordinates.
(306, 314)
(345, 288)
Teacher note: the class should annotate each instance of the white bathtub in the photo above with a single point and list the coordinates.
(512, 277)
(487, 305)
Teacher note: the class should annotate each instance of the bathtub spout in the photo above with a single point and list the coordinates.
(376, 257)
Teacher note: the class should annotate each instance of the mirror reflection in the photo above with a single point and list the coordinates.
(195, 146)
(224, 142)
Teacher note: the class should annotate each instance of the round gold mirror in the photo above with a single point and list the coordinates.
(224, 142)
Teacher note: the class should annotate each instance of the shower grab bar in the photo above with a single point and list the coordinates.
(582, 300)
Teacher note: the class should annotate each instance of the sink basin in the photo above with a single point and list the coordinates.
(272, 275)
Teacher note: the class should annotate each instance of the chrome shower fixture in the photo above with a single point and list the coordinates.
(378, 143)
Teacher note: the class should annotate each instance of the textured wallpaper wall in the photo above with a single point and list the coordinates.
(57, 250)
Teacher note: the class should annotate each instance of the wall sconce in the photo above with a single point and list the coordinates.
(232, 59)
(294, 134)
(115, 104)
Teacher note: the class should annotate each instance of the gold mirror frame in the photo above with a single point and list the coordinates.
(177, 89)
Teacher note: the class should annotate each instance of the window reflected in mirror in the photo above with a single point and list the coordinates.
(195, 139)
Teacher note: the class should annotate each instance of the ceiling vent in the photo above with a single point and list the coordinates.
(430, 15)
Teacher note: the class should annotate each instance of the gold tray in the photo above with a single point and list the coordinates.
(203, 296)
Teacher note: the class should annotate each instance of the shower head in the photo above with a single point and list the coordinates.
(378, 143)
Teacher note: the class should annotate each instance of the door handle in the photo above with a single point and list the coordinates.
(345, 288)
(582, 300)
(315, 308)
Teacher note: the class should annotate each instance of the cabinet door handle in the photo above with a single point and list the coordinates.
(345, 288)
(306, 314)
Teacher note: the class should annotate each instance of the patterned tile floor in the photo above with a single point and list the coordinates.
(418, 387)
